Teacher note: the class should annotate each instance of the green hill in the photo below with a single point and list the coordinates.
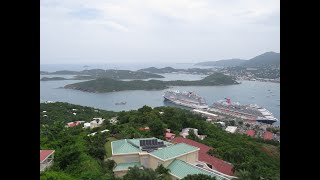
(223, 63)
(113, 74)
(109, 85)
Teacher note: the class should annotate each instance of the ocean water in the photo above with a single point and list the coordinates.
(265, 94)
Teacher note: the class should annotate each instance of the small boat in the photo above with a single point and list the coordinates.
(252, 97)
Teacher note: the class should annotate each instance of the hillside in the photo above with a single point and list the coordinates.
(108, 85)
(173, 70)
(265, 59)
(78, 156)
(223, 63)
(113, 74)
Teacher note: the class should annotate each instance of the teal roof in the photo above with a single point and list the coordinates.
(125, 166)
(126, 146)
(173, 151)
(122, 146)
(181, 169)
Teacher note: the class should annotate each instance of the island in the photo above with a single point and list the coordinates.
(110, 73)
(101, 85)
(53, 79)
(173, 70)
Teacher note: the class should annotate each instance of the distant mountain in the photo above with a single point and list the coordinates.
(223, 63)
(265, 59)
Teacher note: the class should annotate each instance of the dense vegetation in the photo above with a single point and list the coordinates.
(101, 73)
(109, 85)
(80, 157)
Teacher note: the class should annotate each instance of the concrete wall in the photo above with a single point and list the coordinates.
(120, 173)
(126, 158)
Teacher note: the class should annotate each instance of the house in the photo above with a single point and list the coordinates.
(181, 159)
(144, 128)
(46, 159)
(210, 162)
(113, 120)
(185, 132)
(251, 133)
(169, 136)
(94, 133)
(72, 124)
(86, 125)
(231, 129)
(267, 135)
(97, 122)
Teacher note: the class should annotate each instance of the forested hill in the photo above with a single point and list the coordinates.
(173, 70)
(262, 60)
(108, 85)
(223, 63)
(78, 156)
(265, 59)
(100, 73)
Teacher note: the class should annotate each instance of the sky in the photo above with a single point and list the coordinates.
(179, 31)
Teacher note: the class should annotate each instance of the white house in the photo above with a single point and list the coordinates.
(185, 132)
(231, 129)
(46, 159)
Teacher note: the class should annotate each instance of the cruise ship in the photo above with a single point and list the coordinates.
(188, 99)
(248, 112)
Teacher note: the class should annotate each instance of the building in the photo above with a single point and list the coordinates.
(46, 159)
(97, 122)
(113, 120)
(210, 162)
(231, 129)
(251, 132)
(181, 159)
(185, 132)
(72, 124)
(267, 135)
(169, 136)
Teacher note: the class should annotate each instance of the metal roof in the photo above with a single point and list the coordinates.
(181, 169)
(125, 166)
(173, 151)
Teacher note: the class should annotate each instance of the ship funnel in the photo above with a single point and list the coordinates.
(228, 101)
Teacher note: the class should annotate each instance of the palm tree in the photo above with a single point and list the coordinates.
(243, 174)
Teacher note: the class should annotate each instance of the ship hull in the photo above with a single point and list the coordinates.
(190, 105)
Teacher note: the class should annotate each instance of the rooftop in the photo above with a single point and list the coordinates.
(173, 151)
(127, 146)
(45, 154)
(125, 166)
(218, 164)
(251, 133)
(267, 135)
(181, 169)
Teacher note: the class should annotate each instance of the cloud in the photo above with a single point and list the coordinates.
(116, 30)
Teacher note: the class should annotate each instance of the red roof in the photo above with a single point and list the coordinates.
(74, 124)
(169, 135)
(267, 135)
(218, 164)
(44, 154)
(251, 133)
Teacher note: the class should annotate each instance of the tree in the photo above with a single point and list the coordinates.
(198, 177)
(248, 125)
(53, 175)
(243, 175)
(157, 128)
(240, 123)
(162, 172)
(145, 109)
(192, 136)
(141, 174)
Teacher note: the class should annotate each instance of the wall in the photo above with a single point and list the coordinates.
(120, 173)
(126, 158)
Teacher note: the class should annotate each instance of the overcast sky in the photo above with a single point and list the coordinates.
(119, 31)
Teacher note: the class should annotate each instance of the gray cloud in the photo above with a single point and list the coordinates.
(99, 31)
